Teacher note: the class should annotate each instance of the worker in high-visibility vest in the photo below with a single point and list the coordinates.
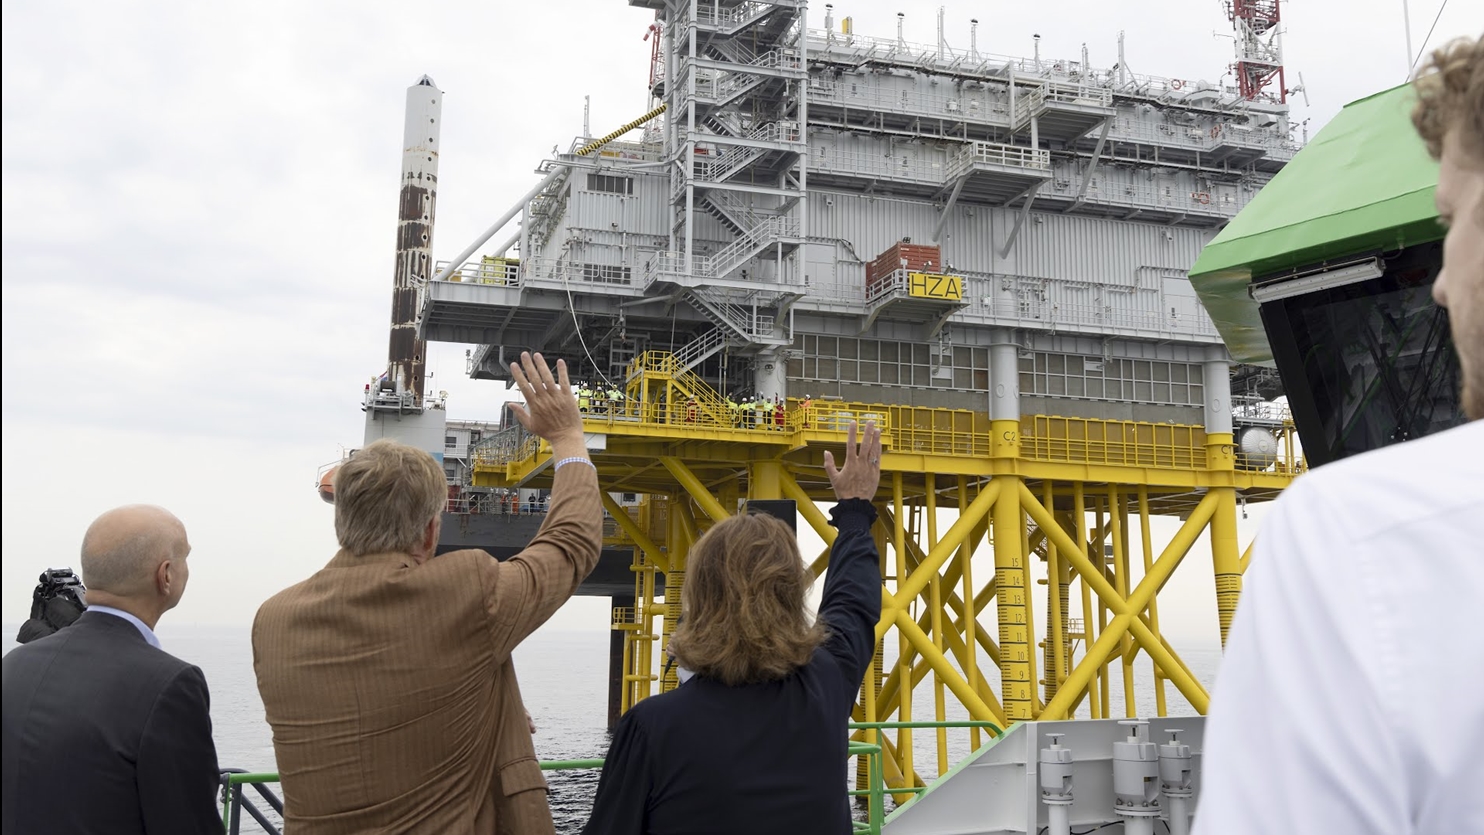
(763, 409)
(584, 397)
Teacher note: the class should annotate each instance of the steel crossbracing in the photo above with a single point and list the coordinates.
(1047, 373)
(1077, 495)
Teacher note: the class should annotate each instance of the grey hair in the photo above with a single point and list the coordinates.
(385, 495)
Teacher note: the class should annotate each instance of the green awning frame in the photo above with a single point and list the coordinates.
(1364, 184)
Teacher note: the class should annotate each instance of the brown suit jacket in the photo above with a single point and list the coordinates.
(390, 689)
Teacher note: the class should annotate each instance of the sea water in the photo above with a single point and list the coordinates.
(564, 680)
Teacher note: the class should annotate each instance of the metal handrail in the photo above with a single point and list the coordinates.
(969, 105)
(234, 800)
(1026, 69)
(503, 272)
(912, 168)
(914, 429)
(998, 153)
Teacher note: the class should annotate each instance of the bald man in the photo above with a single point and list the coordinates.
(104, 731)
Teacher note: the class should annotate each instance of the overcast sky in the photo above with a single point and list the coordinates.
(200, 203)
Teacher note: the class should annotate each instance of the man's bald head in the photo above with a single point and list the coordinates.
(123, 549)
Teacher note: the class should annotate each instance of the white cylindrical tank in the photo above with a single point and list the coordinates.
(1257, 448)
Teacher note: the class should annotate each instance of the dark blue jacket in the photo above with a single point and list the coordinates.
(766, 757)
(105, 733)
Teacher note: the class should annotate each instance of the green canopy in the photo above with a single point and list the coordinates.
(1365, 183)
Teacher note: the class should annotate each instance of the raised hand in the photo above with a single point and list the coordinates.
(550, 409)
(861, 473)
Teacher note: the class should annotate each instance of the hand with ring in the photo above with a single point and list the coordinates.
(860, 476)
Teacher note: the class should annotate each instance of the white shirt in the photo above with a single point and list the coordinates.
(149, 634)
(1351, 698)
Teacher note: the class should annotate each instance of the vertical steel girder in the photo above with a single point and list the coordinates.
(1011, 574)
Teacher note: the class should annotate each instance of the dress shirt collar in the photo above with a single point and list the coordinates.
(149, 634)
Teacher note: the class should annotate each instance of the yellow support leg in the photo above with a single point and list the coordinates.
(1015, 657)
(1079, 509)
(1224, 553)
(1147, 541)
(969, 614)
(904, 645)
(940, 707)
(1118, 515)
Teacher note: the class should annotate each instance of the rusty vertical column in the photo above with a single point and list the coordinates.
(416, 203)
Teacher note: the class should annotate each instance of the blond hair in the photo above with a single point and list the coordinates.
(744, 619)
(1450, 95)
(385, 495)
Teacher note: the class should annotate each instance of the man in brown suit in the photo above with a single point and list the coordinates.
(387, 676)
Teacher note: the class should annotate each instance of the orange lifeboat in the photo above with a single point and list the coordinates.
(327, 485)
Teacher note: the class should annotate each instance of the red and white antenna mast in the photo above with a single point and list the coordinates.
(1259, 48)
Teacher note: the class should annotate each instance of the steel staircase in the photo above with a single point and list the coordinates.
(734, 20)
(747, 245)
(737, 158)
(712, 409)
(702, 348)
(741, 323)
(730, 211)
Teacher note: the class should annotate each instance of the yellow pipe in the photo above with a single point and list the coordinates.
(1148, 543)
(886, 700)
(682, 537)
(1105, 677)
(913, 635)
(1119, 520)
(1247, 557)
(1136, 602)
(935, 609)
(1081, 676)
(1028, 546)
(767, 479)
(821, 562)
(640, 537)
(1225, 558)
(914, 561)
(694, 487)
(1079, 507)
(1139, 599)
(811, 512)
(1009, 563)
(950, 542)
(892, 772)
(970, 619)
(899, 545)
(598, 143)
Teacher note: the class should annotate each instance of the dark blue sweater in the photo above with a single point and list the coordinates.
(764, 757)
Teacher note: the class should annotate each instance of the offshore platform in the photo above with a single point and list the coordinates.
(988, 256)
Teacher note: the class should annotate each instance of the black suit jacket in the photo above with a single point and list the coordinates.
(105, 733)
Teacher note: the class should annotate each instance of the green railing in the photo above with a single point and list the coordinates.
(234, 802)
